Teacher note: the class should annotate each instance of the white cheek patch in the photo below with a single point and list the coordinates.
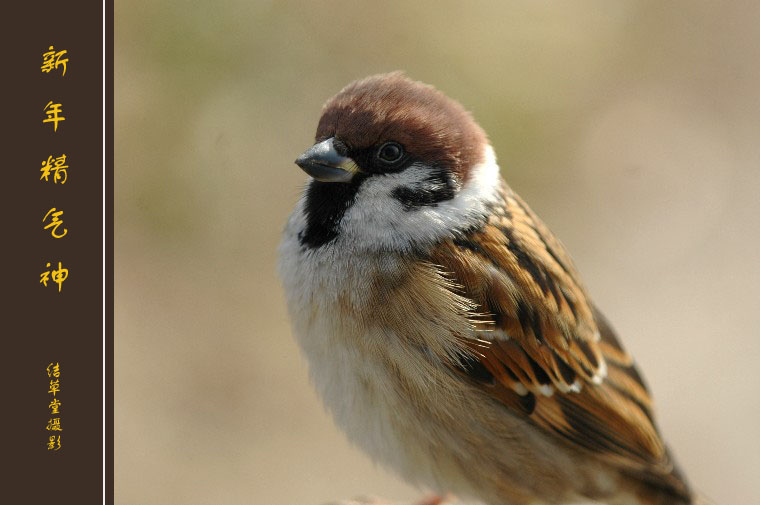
(378, 220)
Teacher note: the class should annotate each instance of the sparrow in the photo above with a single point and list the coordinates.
(446, 328)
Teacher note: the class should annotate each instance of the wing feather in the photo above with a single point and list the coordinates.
(549, 354)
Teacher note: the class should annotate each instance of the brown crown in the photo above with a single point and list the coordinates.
(426, 122)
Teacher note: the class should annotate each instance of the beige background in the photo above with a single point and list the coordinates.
(631, 127)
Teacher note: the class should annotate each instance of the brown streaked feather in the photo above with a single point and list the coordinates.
(550, 354)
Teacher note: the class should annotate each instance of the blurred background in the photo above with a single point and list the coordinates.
(631, 127)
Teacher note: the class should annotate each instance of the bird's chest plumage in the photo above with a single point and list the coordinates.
(369, 358)
(379, 332)
(333, 303)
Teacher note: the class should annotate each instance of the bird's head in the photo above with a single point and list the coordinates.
(396, 164)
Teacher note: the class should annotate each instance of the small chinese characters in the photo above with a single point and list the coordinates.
(54, 443)
(54, 425)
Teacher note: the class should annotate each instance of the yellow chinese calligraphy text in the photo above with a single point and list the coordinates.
(55, 387)
(53, 111)
(54, 370)
(57, 166)
(54, 424)
(54, 443)
(55, 406)
(55, 222)
(52, 59)
(59, 275)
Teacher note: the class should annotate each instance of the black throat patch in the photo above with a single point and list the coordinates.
(326, 202)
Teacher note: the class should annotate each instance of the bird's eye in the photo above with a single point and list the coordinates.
(390, 152)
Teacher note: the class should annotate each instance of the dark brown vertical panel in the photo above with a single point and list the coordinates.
(40, 324)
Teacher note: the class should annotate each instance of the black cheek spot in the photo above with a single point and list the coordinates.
(439, 187)
(413, 199)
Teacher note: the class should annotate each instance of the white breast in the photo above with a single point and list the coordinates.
(326, 296)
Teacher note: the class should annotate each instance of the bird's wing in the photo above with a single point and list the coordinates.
(545, 351)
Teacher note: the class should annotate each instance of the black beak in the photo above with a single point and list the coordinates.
(323, 162)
